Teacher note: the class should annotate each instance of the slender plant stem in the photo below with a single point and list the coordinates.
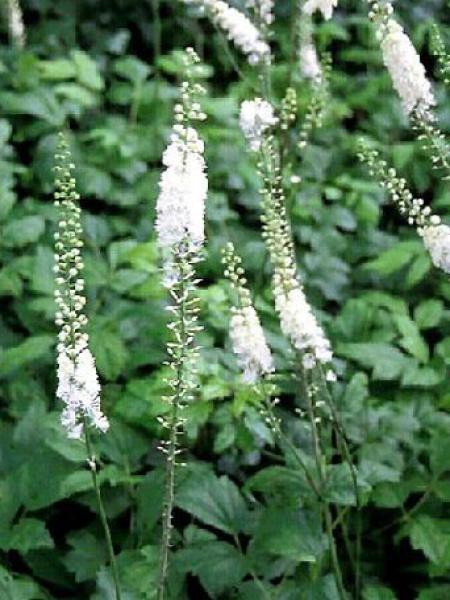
(101, 509)
(345, 452)
(283, 438)
(319, 458)
(172, 444)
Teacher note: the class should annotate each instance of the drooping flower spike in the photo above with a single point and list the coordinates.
(402, 61)
(297, 320)
(435, 235)
(78, 385)
(247, 335)
(238, 28)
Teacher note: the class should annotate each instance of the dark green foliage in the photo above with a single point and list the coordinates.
(242, 529)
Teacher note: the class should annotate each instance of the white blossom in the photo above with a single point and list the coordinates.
(16, 24)
(325, 6)
(78, 385)
(264, 8)
(405, 68)
(256, 116)
(299, 324)
(249, 344)
(309, 61)
(436, 239)
(183, 186)
(238, 28)
(79, 389)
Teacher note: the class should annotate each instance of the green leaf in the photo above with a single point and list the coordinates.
(378, 592)
(386, 361)
(110, 352)
(411, 339)
(440, 453)
(430, 536)
(19, 588)
(292, 533)
(429, 313)
(26, 353)
(30, 534)
(394, 258)
(86, 70)
(218, 565)
(213, 500)
(60, 68)
(88, 554)
(23, 231)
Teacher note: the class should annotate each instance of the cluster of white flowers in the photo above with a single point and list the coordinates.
(325, 6)
(180, 207)
(247, 335)
(309, 61)
(78, 385)
(79, 389)
(402, 61)
(299, 324)
(255, 118)
(406, 70)
(264, 9)
(436, 239)
(249, 344)
(238, 28)
(16, 24)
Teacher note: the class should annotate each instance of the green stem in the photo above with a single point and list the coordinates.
(101, 510)
(283, 438)
(172, 447)
(320, 464)
(346, 454)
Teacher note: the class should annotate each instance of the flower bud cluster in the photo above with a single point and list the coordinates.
(438, 50)
(436, 236)
(247, 335)
(288, 112)
(318, 104)
(78, 382)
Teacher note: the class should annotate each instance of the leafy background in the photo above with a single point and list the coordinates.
(108, 69)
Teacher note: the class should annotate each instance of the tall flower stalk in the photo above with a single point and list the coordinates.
(297, 320)
(78, 384)
(180, 229)
(253, 353)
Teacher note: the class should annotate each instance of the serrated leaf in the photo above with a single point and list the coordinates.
(292, 533)
(21, 232)
(218, 565)
(213, 500)
(29, 534)
(87, 555)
